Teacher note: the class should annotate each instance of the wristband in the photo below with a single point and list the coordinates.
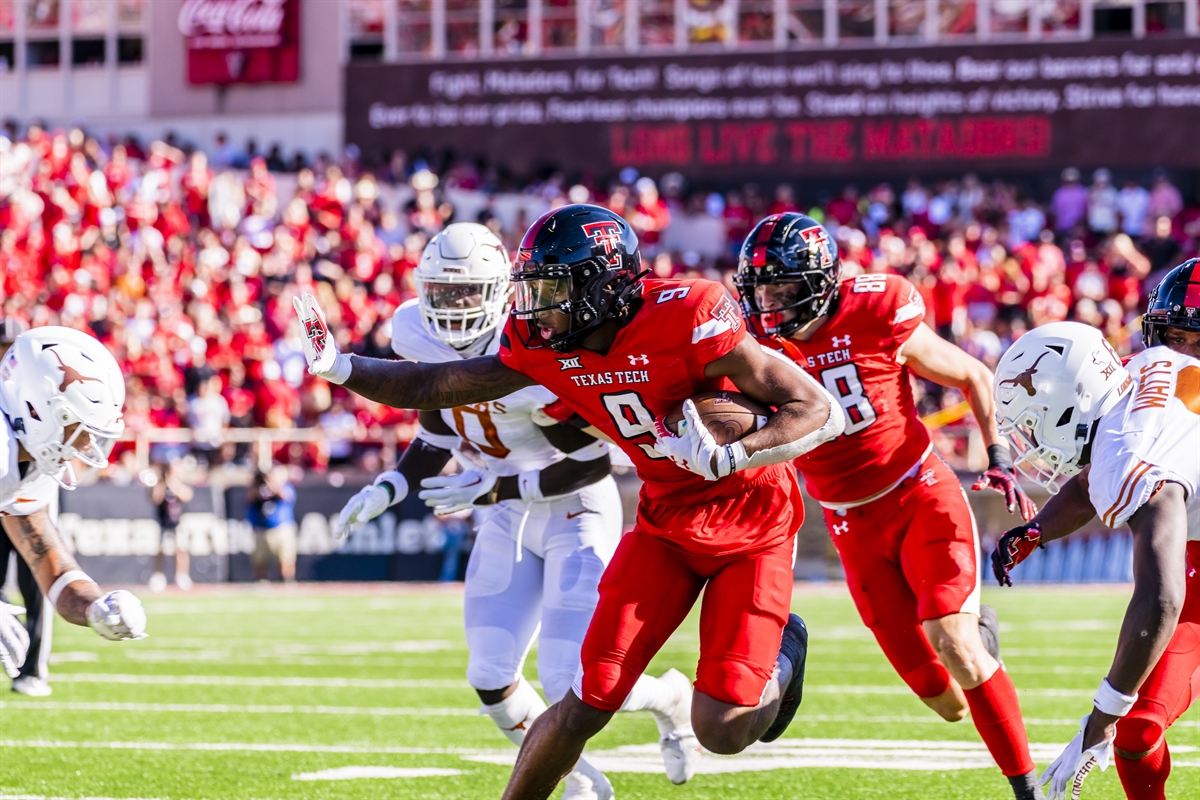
(395, 484)
(339, 371)
(64, 580)
(731, 458)
(1112, 702)
(999, 456)
(529, 484)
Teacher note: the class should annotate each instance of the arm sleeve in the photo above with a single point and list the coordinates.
(717, 326)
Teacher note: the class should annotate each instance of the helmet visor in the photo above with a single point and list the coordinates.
(454, 296)
(541, 294)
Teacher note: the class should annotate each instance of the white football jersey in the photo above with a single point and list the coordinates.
(1152, 435)
(501, 434)
(19, 496)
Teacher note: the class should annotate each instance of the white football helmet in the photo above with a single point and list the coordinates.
(53, 378)
(1052, 387)
(461, 262)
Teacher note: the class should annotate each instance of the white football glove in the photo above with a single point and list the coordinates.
(369, 503)
(1068, 771)
(118, 615)
(451, 493)
(695, 449)
(14, 640)
(320, 349)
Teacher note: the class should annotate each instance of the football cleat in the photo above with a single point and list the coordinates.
(32, 686)
(793, 647)
(585, 782)
(158, 582)
(989, 631)
(680, 748)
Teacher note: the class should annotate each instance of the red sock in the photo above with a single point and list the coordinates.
(1146, 778)
(997, 716)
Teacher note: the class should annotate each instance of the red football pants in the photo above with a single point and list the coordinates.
(1174, 683)
(910, 556)
(648, 590)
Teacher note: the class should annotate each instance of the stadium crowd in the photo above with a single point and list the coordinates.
(185, 264)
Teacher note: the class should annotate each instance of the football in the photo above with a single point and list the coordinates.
(729, 416)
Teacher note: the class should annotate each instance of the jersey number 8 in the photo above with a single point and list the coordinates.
(844, 384)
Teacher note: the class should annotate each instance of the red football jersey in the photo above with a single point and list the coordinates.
(853, 355)
(656, 362)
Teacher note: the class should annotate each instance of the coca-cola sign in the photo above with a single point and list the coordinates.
(241, 41)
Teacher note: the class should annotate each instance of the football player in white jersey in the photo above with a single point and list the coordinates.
(548, 511)
(1130, 437)
(61, 394)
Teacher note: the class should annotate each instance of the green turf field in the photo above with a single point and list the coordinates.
(258, 692)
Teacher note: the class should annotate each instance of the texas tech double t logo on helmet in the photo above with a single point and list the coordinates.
(582, 261)
(788, 249)
(1174, 303)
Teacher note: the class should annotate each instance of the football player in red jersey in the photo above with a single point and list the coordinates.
(896, 512)
(624, 352)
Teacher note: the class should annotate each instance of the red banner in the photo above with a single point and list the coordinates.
(241, 41)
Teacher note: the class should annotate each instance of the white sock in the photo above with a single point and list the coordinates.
(514, 714)
(653, 695)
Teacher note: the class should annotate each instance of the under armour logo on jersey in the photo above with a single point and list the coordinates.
(841, 341)
(642, 360)
(839, 529)
(569, 363)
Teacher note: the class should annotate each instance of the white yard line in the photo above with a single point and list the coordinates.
(438, 683)
(645, 758)
(224, 708)
(238, 680)
(355, 773)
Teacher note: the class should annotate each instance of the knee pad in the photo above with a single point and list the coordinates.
(1139, 733)
(928, 680)
(492, 661)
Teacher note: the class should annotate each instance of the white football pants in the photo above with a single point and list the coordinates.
(566, 542)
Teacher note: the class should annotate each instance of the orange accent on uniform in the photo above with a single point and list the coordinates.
(1187, 388)
(1126, 495)
(862, 464)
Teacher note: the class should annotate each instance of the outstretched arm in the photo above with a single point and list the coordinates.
(402, 384)
(426, 386)
(38, 542)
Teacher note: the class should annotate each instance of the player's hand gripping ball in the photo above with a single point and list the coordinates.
(703, 434)
(14, 640)
(118, 615)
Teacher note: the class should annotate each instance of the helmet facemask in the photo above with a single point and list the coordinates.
(463, 287)
(585, 293)
(460, 313)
